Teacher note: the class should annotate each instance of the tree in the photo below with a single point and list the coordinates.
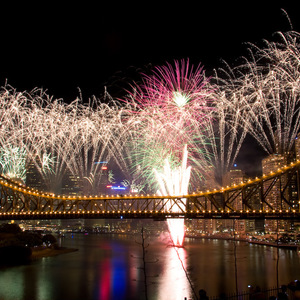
(10, 228)
(49, 239)
(29, 239)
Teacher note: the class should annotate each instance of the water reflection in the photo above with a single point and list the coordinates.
(174, 283)
(109, 267)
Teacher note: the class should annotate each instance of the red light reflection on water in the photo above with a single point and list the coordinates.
(105, 281)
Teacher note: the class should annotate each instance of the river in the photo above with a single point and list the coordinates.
(110, 266)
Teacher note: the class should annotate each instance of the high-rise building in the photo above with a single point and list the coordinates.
(271, 164)
(278, 195)
(71, 184)
(33, 177)
(236, 176)
(297, 146)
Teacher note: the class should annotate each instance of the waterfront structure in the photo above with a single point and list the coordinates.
(19, 202)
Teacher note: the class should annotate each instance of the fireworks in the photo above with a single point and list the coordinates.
(171, 108)
(144, 133)
(175, 182)
(12, 162)
(57, 138)
(270, 86)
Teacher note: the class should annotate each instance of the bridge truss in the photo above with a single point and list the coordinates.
(273, 196)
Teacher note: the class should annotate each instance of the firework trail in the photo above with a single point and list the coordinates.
(170, 109)
(58, 138)
(12, 163)
(270, 90)
(174, 182)
(225, 127)
(175, 105)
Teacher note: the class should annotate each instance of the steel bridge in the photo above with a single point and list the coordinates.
(272, 196)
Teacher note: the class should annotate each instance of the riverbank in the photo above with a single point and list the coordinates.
(263, 243)
(48, 252)
(270, 244)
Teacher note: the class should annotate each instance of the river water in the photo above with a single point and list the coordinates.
(110, 266)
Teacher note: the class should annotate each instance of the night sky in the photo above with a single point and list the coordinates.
(62, 48)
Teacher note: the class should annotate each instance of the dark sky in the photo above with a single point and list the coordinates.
(60, 48)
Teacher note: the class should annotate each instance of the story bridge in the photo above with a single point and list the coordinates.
(272, 196)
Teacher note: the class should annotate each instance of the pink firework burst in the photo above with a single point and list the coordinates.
(179, 93)
(172, 108)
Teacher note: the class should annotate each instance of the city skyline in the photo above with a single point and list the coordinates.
(92, 95)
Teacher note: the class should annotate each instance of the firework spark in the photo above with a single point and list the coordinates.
(174, 182)
(171, 109)
(270, 85)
